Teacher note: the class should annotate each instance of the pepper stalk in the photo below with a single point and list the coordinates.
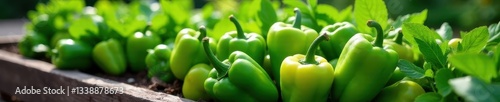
(380, 35)
(221, 68)
(399, 38)
(312, 49)
(298, 18)
(239, 30)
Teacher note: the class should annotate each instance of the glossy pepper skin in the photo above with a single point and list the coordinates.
(188, 51)
(71, 54)
(340, 33)
(363, 68)
(252, 44)
(109, 56)
(306, 78)
(404, 50)
(58, 36)
(267, 65)
(238, 79)
(137, 46)
(285, 40)
(158, 63)
(402, 91)
(396, 76)
(33, 45)
(193, 87)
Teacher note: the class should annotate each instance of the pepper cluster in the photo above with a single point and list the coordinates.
(247, 59)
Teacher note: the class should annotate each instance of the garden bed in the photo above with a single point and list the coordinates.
(18, 72)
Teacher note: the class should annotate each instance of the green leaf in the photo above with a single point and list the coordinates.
(80, 26)
(432, 52)
(251, 27)
(442, 77)
(210, 18)
(267, 16)
(181, 14)
(312, 3)
(246, 11)
(444, 47)
(494, 30)
(475, 40)
(478, 65)
(419, 31)
(365, 10)
(429, 97)
(329, 11)
(424, 40)
(159, 26)
(325, 15)
(297, 3)
(276, 4)
(429, 73)
(410, 70)
(475, 90)
(497, 57)
(445, 31)
(221, 27)
(427, 65)
(418, 18)
(344, 15)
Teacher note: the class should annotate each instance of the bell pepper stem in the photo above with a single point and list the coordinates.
(380, 36)
(218, 65)
(203, 33)
(399, 38)
(312, 49)
(298, 18)
(239, 30)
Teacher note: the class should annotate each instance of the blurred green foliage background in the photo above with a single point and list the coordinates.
(460, 14)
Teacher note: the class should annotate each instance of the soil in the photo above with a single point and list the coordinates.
(139, 79)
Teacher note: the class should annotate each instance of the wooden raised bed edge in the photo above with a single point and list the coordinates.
(17, 72)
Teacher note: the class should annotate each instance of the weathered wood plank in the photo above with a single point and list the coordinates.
(7, 39)
(17, 72)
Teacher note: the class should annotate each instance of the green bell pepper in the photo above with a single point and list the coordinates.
(239, 78)
(403, 91)
(193, 86)
(45, 25)
(396, 76)
(137, 46)
(55, 39)
(340, 33)
(33, 45)
(453, 44)
(158, 64)
(109, 56)
(306, 78)
(58, 36)
(267, 65)
(252, 44)
(404, 50)
(71, 54)
(363, 68)
(285, 40)
(188, 51)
